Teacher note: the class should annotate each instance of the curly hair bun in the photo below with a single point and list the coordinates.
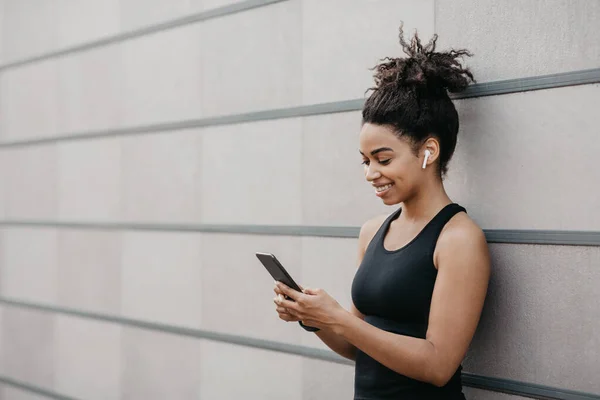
(423, 68)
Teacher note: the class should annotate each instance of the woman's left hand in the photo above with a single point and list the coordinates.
(314, 307)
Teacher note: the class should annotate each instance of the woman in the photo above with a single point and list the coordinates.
(423, 270)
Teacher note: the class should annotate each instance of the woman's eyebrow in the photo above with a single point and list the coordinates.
(379, 150)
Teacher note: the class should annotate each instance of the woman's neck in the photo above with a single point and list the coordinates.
(426, 203)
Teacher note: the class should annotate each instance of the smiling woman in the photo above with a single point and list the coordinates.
(423, 270)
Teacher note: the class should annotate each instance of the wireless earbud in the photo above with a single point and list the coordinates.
(427, 154)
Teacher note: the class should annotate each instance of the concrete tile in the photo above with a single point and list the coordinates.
(90, 90)
(90, 180)
(157, 366)
(329, 264)
(3, 183)
(233, 372)
(10, 393)
(521, 337)
(517, 157)
(162, 79)
(85, 21)
(137, 14)
(28, 346)
(251, 173)
(263, 67)
(237, 291)
(29, 267)
(162, 277)
(326, 380)
(528, 29)
(2, 324)
(30, 182)
(89, 270)
(213, 4)
(161, 177)
(1, 36)
(29, 28)
(88, 358)
(337, 53)
(335, 191)
(30, 90)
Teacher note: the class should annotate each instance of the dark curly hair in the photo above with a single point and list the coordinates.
(411, 95)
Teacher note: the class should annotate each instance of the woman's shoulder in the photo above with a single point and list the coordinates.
(462, 235)
(460, 227)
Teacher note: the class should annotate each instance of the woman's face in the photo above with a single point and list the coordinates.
(391, 166)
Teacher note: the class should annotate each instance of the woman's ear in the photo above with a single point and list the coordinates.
(430, 151)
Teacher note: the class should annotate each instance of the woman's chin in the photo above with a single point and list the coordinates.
(391, 201)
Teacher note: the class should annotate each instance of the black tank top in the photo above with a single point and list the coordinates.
(393, 289)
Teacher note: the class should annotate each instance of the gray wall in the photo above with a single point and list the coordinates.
(524, 161)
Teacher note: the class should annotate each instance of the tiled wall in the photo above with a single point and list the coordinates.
(524, 161)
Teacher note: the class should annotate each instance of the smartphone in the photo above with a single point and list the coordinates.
(276, 270)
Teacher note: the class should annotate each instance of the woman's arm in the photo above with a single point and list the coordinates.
(463, 264)
(334, 341)
(458, 297)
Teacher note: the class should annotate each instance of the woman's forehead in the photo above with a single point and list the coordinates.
(375, 136)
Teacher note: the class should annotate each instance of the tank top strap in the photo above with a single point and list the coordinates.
(382, 231)
(435, 227)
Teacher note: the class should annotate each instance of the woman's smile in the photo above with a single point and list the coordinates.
(381, 191)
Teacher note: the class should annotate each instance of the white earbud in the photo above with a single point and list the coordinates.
(427, 154)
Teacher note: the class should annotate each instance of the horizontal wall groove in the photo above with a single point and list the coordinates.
(147, 30)
(524, 389)
(310, 352)
(269, 230)
(541, 82)
(265, 115)
(472, 380)
(509, 236)
(582, 77)
(27, 387)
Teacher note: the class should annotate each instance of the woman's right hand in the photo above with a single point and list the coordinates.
(283, 312)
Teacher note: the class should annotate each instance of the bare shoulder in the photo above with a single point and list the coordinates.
(461, 226)
(368, 230)
(463, 238)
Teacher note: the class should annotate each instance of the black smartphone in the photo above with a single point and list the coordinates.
(276, 270)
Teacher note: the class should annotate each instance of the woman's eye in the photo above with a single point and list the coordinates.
(384, 162)
(365, 162)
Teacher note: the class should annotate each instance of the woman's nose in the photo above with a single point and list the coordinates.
(372, 173)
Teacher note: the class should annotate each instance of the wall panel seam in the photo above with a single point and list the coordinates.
(573, 78)
(469, 379)
(28, 387)
(508, 236)
(144, 31)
